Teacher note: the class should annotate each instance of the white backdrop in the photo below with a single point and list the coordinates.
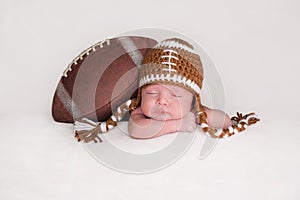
(255, 46)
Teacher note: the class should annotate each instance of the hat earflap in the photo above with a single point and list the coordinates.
(87, 130)
(239, 122)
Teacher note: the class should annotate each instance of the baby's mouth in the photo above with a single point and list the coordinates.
(161, 111)
(161, 114)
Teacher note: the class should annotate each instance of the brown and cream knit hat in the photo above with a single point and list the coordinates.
(175, 62)
(172, 61)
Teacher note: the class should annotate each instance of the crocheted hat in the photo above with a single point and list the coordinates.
(172, 61)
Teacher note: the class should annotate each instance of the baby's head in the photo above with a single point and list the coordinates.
(171, 67)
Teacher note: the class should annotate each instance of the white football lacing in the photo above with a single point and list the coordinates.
(169, 63)
(85, 52)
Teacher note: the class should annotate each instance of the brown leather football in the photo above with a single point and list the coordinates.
(100, 79)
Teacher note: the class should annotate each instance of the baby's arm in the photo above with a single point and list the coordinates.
(217, 118)
(141, 127)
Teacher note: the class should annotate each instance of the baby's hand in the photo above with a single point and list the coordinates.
(188, 123)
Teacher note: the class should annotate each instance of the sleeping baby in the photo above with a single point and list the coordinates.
(168, 99)
(170, 82)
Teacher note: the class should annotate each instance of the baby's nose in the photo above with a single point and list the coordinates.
(162, 100)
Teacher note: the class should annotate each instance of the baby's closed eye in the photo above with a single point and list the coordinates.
(176, 95)
(152, 93)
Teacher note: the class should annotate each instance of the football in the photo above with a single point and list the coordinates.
(99, 79)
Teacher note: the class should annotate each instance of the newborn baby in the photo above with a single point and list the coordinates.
(166, 109)
(168, 99)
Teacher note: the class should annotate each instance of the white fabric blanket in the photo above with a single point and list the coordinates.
(43, 160)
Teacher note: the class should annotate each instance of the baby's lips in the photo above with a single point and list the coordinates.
(161, 110)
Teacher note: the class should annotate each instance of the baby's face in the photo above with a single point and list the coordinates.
(165, 102)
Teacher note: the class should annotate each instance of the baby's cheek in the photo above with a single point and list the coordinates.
(146, 108)
(185, 108)
(177, 110)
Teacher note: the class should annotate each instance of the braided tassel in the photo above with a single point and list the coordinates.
(239, 123)
(87, 130)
